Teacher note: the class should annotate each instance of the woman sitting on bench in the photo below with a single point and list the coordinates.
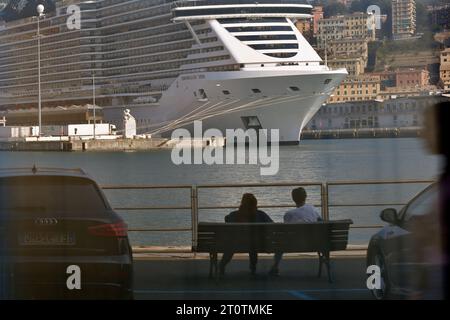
(248, 213)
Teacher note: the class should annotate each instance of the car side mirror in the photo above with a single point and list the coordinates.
(389, 215)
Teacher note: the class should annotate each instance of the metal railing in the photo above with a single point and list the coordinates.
(195, 207)
(195, 3)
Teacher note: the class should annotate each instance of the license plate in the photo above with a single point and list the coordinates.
(47, 238)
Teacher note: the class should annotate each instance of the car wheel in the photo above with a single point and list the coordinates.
(377, 258)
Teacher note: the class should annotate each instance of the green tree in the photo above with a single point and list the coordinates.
(334, 8)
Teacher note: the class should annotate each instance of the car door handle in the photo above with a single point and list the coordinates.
(390, 233)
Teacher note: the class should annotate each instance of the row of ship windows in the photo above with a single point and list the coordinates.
(202, 94)
(160, 29)
(162, 26)
(268, 37)
(259, 28)
(114, 30)
(240, 2)
(250, 20)
(119, 86)
(55, 72)
(272, 46)
(145, 33)
(30, 64)
(163, 47)
(154, 58)
(150, 12)
(89, 19)
(173, 46)
(168, 65)
(68, 38)
(112, 72)
(130, 60)
(131, 6)
(282, 55)
(181, 40)
(241, 10)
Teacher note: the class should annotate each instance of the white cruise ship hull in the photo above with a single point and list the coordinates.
(231, 64)
(264, 99)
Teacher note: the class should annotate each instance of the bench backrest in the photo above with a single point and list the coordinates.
(272, 237)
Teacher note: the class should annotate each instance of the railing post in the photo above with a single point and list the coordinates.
(194, 215)
(325, 210)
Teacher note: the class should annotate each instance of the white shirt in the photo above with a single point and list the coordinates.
(307, 213)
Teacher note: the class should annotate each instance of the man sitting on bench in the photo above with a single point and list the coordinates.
(248, 212)
(303, 213)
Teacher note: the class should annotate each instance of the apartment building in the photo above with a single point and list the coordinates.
(357, 88)
(445, 69)
(403, 18)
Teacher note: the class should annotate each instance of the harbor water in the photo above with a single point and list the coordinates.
(311, 161)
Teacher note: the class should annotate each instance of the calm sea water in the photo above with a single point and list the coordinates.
(311, 161)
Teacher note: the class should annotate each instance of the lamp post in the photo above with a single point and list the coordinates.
(40, 11)
(93, 100)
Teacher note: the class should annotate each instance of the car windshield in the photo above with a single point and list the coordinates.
(423, 204)
(49, 194)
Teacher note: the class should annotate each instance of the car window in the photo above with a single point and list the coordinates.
(50, 194)
(423, 204)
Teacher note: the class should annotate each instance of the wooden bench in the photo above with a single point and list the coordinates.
(321, 237)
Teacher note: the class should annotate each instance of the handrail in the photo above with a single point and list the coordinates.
(195, 3)
(195, 207)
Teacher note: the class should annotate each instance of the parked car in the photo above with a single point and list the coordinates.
(59, 220)
(395, 250)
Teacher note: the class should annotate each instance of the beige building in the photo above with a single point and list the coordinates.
(445, 69)
(354, 26)
(306, 28)
(403, 18)
(354, 65)
(348, 47)
(351, 54)
(357, 88)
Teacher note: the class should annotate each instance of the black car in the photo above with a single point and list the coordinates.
(394, 249)
(60, 237)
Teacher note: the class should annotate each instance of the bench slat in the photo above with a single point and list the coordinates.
(271, 237)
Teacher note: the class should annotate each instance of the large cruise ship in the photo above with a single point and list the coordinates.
(230, 63)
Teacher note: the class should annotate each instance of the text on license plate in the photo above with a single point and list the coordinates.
(47, 238)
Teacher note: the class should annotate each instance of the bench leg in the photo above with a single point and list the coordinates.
(320, 264)
(213, 265)
(324, 258)
(328, 262)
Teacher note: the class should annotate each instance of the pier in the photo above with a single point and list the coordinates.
(84, 145)
(362, 133)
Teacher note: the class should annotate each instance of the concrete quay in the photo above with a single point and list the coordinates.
(86, 145)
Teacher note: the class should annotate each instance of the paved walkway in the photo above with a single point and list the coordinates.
(187, 279)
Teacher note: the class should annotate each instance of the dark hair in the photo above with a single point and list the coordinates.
(442, 118)
(439, 114)
(299, 195)
(248, 208)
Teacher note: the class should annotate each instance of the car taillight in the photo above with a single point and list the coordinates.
(119, 229)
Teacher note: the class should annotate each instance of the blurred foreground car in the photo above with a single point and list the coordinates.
(395, 250)
(58, 221)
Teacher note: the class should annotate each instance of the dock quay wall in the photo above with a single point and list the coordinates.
(410, 132)
(85, 145)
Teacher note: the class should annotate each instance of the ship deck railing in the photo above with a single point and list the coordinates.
(195, 3)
